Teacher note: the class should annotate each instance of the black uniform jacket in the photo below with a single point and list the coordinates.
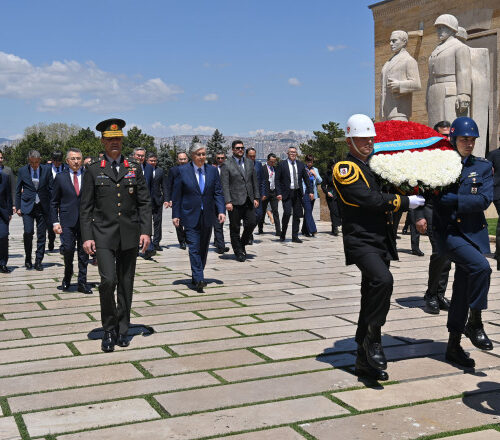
(366, 211)
(114, 211)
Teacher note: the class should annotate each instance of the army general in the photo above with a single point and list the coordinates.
(115, 217)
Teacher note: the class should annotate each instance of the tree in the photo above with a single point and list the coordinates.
(56, 133)
(18, 156)
(215, 144)
(327, 145)
(87, 141)
(136, 138)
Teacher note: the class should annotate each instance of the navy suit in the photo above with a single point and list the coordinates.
(65, 209)
(5, 215)
(55, 171)
(291, 199)
(461, 233)
(158, 196)
(26, 194)
(147, 170)
(197, 211)
(169, 187)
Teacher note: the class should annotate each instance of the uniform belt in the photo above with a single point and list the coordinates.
(444, 79)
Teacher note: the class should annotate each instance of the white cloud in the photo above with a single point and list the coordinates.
(70, 84)
(294, 82)
(156, 125)
(211, 97)
(333, 48)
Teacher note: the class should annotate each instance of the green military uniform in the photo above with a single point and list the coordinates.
(115, 210)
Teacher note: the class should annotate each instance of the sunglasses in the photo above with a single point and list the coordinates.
(238, 148)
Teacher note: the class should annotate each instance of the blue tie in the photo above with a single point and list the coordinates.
(201, 181)
(35, 174)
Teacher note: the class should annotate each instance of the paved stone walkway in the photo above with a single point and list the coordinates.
(265, 353)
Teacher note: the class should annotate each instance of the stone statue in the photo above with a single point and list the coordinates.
(450, 77)
(480, 68)
(400, 78)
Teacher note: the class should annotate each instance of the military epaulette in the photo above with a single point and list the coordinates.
(347, 172)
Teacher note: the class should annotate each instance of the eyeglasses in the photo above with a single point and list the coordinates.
(200, 154)
(238, 148)
(220, 158)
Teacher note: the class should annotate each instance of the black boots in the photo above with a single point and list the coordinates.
(435, 303)
(456, 354)
(474, 330)
(363, 369)
(373, 348)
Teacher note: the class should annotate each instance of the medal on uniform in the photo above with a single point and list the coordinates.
(131, 190)
(473, 190)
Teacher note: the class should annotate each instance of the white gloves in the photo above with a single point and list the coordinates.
(416, 201)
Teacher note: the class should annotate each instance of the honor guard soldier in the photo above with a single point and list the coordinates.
(115, 217)
(368, 240)
(461, 234)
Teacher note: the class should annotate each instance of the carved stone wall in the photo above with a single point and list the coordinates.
(481, 19)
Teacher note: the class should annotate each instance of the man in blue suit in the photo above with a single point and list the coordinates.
(5, 217)
(461, 234)
(57, 166)
(196, 199)
(34, 185)
(65, 212)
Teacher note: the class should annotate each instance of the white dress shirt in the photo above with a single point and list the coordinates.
(290, 167)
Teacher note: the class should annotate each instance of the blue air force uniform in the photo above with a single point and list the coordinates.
(461, 233)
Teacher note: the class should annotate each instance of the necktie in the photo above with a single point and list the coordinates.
(114, 165)
(295, 180)
(35, 174)
(75, 182)
(241, 164)
(201, 181)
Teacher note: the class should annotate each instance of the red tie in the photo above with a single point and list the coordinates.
(75, 183)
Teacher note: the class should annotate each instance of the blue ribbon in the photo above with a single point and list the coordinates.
(410, 144)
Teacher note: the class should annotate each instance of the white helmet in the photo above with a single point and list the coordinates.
(360, 126)
(447, 20)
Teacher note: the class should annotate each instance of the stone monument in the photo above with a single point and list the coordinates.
(449, 86)
(480, 74)
(400, 78)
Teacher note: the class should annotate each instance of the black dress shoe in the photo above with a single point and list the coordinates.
(149, 253)
(297, 240)
(362, 369)
(199, 286)
(444, 304)
(372, 347)
(306, 234)
(108, 342)
(250, 242)
(38, 266)
(182, 246)
(84, 288)
(335, 232)
(65, 285)
(51, 246)
(456, 354)
(28, 265)
(4, 269)
(122, 340)
(405, 231)
(431, 305)
(417, 252)
(241, 257)
(282, 238)
(474, 330)
(278, 234)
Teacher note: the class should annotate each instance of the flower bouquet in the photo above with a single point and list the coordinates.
(414, 158)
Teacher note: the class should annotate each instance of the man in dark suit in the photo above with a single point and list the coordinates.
(65, 212)
(182, 158)
(219, 242)
(57, 166)
(331, 198)
(5, 217)
(115, 218)
(34, 185)
(4, 169)
(197, 201)
(139, 155)
(241, 193)
(158, 192)
(269, 197)
(289, 174)
(251, 153)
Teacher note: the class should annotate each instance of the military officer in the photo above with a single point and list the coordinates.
(368, 240)
(115, 217)
(461, 234)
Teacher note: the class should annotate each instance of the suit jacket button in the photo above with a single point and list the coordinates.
(119, 204)
(119, 213)
(458, 220)
(118, 185)
(118, 195)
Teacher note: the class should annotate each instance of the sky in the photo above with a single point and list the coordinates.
(185, 67)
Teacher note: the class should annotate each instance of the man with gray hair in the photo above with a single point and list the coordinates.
(33, 189)
(400, 78)
(198, 202)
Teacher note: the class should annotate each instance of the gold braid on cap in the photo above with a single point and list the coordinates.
(112, 133)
